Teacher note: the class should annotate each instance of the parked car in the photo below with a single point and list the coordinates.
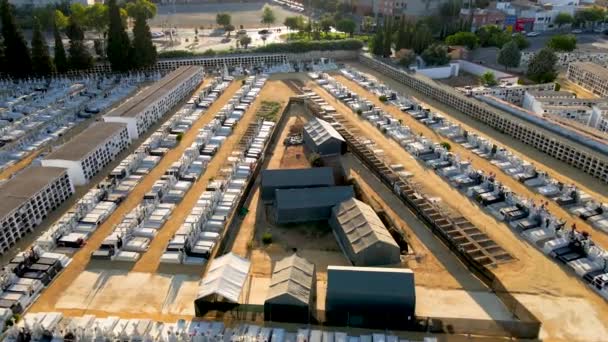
(264, 31)
(577, 31)
(532, 34)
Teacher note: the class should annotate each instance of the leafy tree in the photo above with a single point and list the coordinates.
(509, 55)
(562, 42)
(97, 18)
(492, 35)
(377, 44)
(589, 16)
(61, 21)
(388, 39)
(141, 7)
(268, 16)
(118, 41)
(520, 40)
(41, 60)
(326, 23)
(436, 54)
(408, 57)
(245, 41)
(144, 51)
(562, 19)
(468, 39)
(80, 58)
(295, 22)
(346, 26)
(223, 19)
(61, 61)
(488, 78)
(78, 12)
(541, 68)
(18, 59)
(367, 23)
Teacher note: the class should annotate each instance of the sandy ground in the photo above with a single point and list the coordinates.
(557, 169)
(460, 304)
(533, 272)
(150, 260)
(575, 88)
(480, 163)
(80, 260)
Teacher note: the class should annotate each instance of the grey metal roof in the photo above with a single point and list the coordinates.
(361, 226)
(140, 101)
(292, 276)
(372, 283)
(21, 187)
(87, 141)
(317, 176)
(321, 131)
(312, 197)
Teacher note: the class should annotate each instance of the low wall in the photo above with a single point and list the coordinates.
(478, 70)
(440, 72)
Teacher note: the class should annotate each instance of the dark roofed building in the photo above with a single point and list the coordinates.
(321, 137)
(291, 296)
(362, 236)
(294, 179)
(370, 296)
(309, 204)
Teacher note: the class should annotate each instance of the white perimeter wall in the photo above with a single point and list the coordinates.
(478, 70)
(440, 72)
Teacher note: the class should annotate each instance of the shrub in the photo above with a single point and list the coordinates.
(446, 145)
(359, 111)
(179, 137)
(557, 86)
(315, 160)
(267, 238)
(300, 47)
(382, 98)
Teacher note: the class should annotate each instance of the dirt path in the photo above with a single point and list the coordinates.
(533, 272)
(81, 259)
(480, 163)
(555, 168)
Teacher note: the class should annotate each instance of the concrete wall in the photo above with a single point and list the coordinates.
(441, 72)
(565, 58)
(478, 70)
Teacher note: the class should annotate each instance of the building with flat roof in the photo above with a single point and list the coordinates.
(590, 76)
(362, 296)
(27, 198)
(291, 295)
(510, 92)
(294, 179)
(309, 204)
(322, 138)
(90, 151)
(362, 236)
(148, 106)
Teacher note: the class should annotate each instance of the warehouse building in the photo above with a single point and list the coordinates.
(370, 296)
(222, 285)
(322, 138)
(27, 199)
(590, 76)
(362, 236)
(309, 204)
(148, 106)
(90, 151)
(291, 295)
(558, 141)
(294, 179)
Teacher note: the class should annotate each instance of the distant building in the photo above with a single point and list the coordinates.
(483, 17)
(27, 198)
(590, 76)
(363, 295)
(533, 16)
(362, 236)
(90, 151)
(291, 295)
(309, 204)
(322, 138)
(294, 179)
(513, 93)
(147, 107)
(43, 3)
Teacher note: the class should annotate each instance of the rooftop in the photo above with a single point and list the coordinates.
(225, 277)
(293, 276)
(22, 186)
(592, 68)
(298, 177)
(572, 108)
(321, 131)
(159, 89)
(550, 93)
(312, 197)
(87, 141)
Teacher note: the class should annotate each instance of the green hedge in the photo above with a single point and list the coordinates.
(293, 47)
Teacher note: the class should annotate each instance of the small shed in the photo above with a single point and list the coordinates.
(362, 236)
(291, 296)
(294, 179)
(370, 296)
(309, 204)
(221, 287)
(321, 137)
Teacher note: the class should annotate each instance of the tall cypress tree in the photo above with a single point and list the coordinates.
(80, 58)
(41, 60)
(61, 61)
(388, 39)
(2, 56)
(118, 40)
(144, 51)
(18, 59)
